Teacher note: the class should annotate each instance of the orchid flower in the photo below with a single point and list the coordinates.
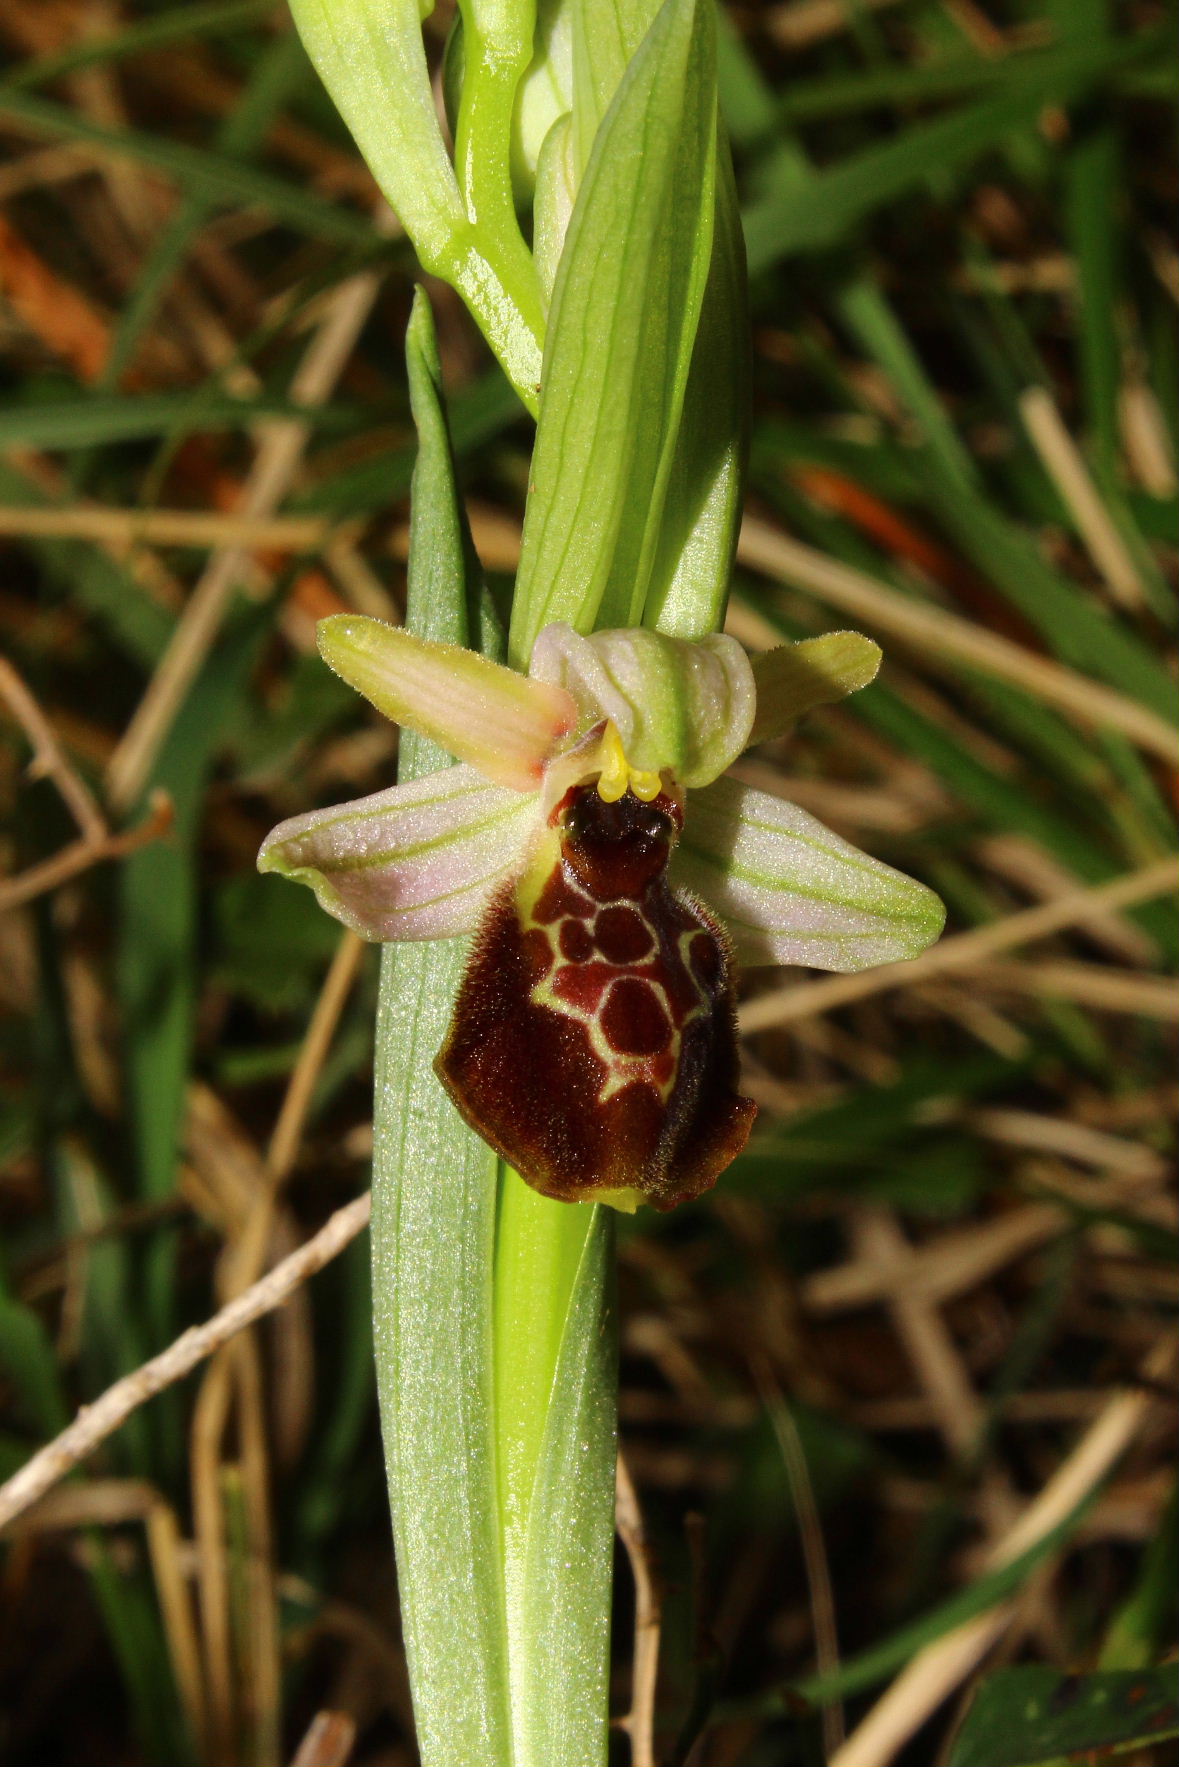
(610, 874)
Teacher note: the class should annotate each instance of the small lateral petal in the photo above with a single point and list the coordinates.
(497, 720)
(815, 672)
(790, 891)
(415, 862)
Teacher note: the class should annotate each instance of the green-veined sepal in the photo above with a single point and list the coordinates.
(415, 862)
(791, 891)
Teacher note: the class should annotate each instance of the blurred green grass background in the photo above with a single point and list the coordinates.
(951, 1242)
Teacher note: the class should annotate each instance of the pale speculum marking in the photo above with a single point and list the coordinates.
(631, 973)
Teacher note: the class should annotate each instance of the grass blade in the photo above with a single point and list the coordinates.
(223, 182)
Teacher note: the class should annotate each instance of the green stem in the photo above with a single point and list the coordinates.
(509, 315)
(555, 1384)
(538, 1251)
(499, 48)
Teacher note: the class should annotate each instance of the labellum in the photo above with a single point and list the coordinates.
(593, 1042)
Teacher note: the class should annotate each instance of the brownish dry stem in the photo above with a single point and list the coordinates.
(95, 1422)
(639, 1722)
(81, 855)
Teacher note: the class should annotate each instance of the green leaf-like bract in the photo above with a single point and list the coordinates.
(623, 322)
(605, 40)
(702, 509)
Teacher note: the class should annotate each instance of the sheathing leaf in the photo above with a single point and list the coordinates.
(432, 1237)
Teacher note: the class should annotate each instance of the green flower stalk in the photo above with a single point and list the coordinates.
(561, 910)
(460, 216)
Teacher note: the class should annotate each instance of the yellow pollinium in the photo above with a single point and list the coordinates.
(618, 776)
